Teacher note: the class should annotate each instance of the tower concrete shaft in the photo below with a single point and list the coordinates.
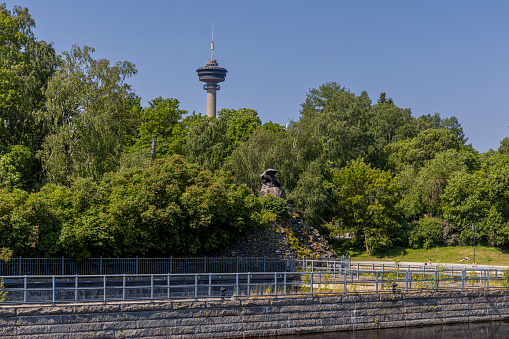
(211, 74)
(211, 102)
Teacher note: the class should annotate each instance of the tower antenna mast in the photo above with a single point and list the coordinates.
(212, 43)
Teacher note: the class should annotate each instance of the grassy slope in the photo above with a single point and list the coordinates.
(453, 254)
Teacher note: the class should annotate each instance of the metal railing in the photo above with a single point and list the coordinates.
(326, 277)
(309, 264)
(104, 266)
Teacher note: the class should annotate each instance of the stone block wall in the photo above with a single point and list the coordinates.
(254, 317)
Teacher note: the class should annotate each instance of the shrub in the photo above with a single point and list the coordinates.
(274, 206)
(428, 233)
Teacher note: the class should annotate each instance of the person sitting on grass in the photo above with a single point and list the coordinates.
(467, 258)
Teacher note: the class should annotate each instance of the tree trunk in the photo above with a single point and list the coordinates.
(153, 147)
(365, 238)
(67, 165)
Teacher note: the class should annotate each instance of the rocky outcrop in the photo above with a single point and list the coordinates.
(278, 192)
(292, 239)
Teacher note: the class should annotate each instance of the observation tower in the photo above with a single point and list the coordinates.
(211, 75)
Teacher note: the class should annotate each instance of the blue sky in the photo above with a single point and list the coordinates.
(449, 57)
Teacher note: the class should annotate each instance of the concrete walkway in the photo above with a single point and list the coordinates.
(458, 264)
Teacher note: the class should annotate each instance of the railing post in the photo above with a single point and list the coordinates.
(171, 264)
(210, 284)
(488, 280)
(312, 279)
(196, 286)
(63, 271)
(344, 275)
(463, 276)
(104, 289)
(205, 264)
(248, 283)
(275, 284)
(101, 265)
(20, 265)
(152, 288)
(123, 287)
(25, 284)
(76, 288)
(284, 283)
(53, 289)
(237, 292)
(435, 280)
(376, 282)
(137, 265)
(406, 279)
(237, 264)
(264, 264)
(168, 285)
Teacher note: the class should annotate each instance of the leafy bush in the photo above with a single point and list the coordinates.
(171, 208)
(274, 206)
(428, 233)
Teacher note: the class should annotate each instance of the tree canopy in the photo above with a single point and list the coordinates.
(85, 170)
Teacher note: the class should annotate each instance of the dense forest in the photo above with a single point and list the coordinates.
(85, 170)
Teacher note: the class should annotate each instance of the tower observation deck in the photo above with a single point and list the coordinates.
(211, 75)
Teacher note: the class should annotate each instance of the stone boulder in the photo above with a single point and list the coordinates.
(277, 192)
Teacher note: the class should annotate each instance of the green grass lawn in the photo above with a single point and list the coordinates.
(452, 254)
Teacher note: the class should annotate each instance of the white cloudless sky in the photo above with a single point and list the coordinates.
(449, 57)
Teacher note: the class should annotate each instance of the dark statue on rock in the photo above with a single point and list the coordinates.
(269, 179)
(270, 185)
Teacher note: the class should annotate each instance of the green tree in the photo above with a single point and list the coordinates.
(87, 109)
(366, 200)
(392, 123)
(504, 146)
(16, 168)
(241, 123)
(341, 121)
(172, 208)
(26, 65)
(13, 65)
(158, 121)
(31, 224)
(210, 142)
(452, 124)
(424, 147)
(481, 198)
(207, 143)
(422, 188)
(427, 233)
(289, 151)
(314, 196)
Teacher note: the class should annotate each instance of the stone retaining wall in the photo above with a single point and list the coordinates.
(250, 317)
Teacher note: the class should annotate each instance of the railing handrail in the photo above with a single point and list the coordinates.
(206, 285)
